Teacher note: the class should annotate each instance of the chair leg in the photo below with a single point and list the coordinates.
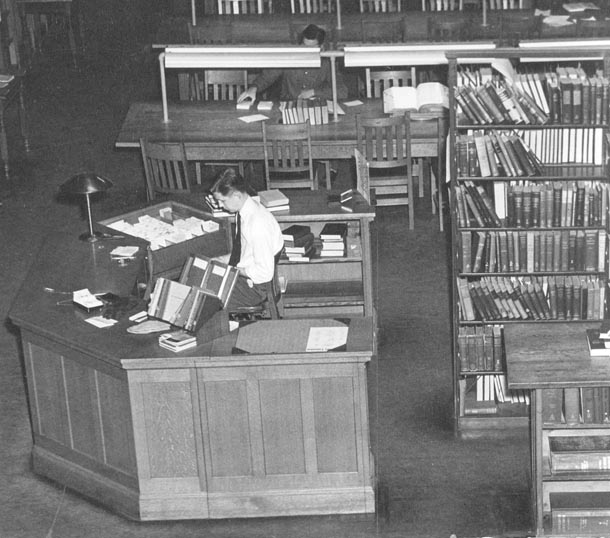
(421, 174)
(411, 198)
(327, 174)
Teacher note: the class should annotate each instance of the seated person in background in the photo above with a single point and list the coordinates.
(257, 242)
(303, 83)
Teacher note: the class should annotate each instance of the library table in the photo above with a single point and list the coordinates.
(543, 357)
(213, 131)
(211, 432)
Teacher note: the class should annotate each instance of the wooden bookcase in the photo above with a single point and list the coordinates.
(524, 249)
(328, 287)
(570, 403)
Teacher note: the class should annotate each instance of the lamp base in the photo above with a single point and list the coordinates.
(91, 237)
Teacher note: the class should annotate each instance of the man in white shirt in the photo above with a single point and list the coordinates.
(257, 243)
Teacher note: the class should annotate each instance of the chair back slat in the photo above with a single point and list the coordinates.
(244, 7)
(311, 6)
(378, 81)
(380, 6)
(165, 167)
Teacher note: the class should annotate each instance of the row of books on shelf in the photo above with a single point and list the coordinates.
(523, 204)
(559, 297)
(488, 390)
(580, 513)
(481, 348)
(576, 405)
(495, 154)
(533, 251)
(498, 103)
(314, 110)
(567, 95)
(580, 453)
(519, 153)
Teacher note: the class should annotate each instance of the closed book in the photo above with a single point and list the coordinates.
(272, 198)
(552, 405)
(333, 230)
(481, 150)
(565, 87)
(597, 348)
(571, 405)
(295, 231)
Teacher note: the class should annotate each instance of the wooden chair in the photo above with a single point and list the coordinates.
(438, 5)
(380, 6)
(386, 145)
(165, 168)
(244, 7)
(378, 81)
(287, 152)
(269, 308)
(427, 124)
(311, 6)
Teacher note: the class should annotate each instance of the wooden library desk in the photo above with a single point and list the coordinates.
(567, 387)
(211, 432)
(212, 130)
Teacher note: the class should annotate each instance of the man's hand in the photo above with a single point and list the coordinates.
(307, 94)
(250, 93)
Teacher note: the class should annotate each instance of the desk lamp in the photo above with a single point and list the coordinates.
(87, 183)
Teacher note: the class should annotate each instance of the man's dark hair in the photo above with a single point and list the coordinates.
(229, 181)
(312, 31)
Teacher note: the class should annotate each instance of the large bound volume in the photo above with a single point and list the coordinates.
(580, 453)
(581, 513)
(212, 277)
(183, 306)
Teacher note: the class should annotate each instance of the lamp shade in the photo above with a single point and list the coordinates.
(86, 183)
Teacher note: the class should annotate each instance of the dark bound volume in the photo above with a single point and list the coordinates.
(295, 231)
(333, 231)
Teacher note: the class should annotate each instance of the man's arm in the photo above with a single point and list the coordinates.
(266, 78)
(324, 87)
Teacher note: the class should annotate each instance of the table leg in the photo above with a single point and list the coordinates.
(3, 143)
(71, 34)
(23, 118)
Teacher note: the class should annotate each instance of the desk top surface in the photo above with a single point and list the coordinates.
(218, 123)
(64, 264)
(548, 355)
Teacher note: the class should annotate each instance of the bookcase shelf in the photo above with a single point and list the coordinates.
(555, 156)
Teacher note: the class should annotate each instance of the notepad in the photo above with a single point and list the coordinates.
(253, 118)
(324, 338)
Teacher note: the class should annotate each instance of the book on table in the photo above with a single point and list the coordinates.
(177, 341)
(273, 198)
(333, 230)
(597, 346)
(426, 97)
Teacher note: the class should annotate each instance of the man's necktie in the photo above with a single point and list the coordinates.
(236, 250)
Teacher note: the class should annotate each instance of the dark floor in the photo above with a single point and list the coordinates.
(437, 484)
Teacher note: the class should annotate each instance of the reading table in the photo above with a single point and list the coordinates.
(216, 431)
(213, 131)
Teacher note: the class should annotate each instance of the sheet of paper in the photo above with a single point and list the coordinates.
(253, 118)
(101, 322)
(325, 338)
(85, 298)
(124, 252)
(355, 102)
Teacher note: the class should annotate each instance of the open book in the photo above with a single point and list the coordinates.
(212, 277)
(426, 97)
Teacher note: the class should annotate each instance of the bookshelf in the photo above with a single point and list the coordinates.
(340, 285)
(529, 207)
(570, 430)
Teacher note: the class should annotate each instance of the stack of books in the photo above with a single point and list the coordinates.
(315, 110)
(177, 341)
(333, 239)
(274, 200)
(298, 243)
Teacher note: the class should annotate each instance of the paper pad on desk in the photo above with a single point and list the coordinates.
(281, 336)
